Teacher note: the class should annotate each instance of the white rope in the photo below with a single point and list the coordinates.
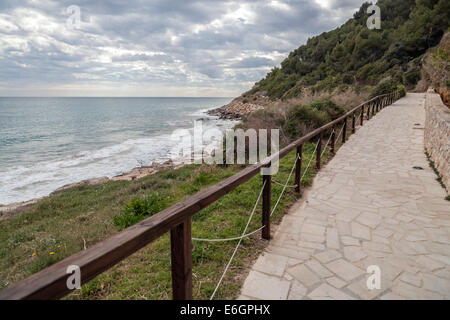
(228, 239)
(287, 181)
(253, 232)
(309, 163)
(239, 243)
(282, 185)
(342, 130)
(325, 148)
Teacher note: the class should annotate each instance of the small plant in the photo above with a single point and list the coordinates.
(438, 174)
(139, 209)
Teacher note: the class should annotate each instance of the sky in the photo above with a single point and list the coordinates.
(153, 48)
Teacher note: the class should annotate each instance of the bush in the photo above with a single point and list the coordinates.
(412, 77)
(303, 118)
(384, 87)
(402, 90)
(139, 209)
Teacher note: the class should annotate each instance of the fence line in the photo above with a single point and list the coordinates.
(50, 283)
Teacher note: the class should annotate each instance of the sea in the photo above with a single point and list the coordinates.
(46, 143)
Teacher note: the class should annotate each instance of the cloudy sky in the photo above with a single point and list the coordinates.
(153, 47)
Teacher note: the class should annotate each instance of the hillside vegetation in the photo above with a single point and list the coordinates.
(354, 55)
(340, 69)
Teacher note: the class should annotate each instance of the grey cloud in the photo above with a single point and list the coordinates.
(220, 43)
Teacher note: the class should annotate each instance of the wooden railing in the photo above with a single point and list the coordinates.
(50, 283)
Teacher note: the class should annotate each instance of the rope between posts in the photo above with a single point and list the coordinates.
(279, 198)
(239, 243)
(246, 235)
(325, 148)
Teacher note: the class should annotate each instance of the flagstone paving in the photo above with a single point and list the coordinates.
(368, 206)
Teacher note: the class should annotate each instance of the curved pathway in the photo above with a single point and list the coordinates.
(367, 207)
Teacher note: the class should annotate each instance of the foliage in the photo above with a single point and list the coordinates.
(302, 118)
(353, 54)
(139, 209)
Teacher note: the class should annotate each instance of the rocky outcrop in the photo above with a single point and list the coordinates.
(240, 107)
(437, 135)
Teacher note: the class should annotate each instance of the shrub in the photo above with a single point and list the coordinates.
(139, 209)
(402, 90)
(412, 77)
(384, 87)
(303, 118)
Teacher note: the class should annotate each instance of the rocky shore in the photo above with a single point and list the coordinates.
(236, 109)
(11, 209)
(239, 107)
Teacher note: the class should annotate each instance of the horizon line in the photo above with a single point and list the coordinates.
(137, 97)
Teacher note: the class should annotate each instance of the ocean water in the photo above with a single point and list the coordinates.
(46, 143)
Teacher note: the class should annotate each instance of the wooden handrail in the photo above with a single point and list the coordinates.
(50, 283)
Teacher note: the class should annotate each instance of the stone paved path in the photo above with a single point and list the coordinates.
(368, 206)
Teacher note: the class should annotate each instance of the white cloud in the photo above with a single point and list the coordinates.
(159, 47)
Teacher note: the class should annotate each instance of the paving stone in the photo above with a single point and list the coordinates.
(325, 291)
(336, 282)
(360, 231)
(327, 256)
(350, 241)
(369, 219)
(411, 292)
(429, 264)
(391, 296)
(383, 232)
(261, 286)
(354, 254)
(361, 290)
(288, 252)
(375, 246)
(318, 269)
(344, 269)
(435, 284)
(332, 238)
(312, 238)
(271, 264)
(304, 275)
(411, 279)
(311, 245)
(313, 229)
(297, 292)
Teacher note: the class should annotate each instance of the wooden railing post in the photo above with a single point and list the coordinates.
(354, 122)
(368, 111)
(333, 140)
(319, 151)
(298, 169)
(344, 131)
(267, 179)
(181, 254)
(362, 115)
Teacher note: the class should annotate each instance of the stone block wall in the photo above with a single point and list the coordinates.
(437, 135)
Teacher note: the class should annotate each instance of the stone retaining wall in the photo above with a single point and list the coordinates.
(437, 135)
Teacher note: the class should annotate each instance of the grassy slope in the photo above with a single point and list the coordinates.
(64, 223)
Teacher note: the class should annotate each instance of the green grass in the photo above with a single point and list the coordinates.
(71, 220)
(438, 174)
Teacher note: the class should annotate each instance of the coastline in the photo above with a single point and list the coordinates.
(231, 111)
(11, 209)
